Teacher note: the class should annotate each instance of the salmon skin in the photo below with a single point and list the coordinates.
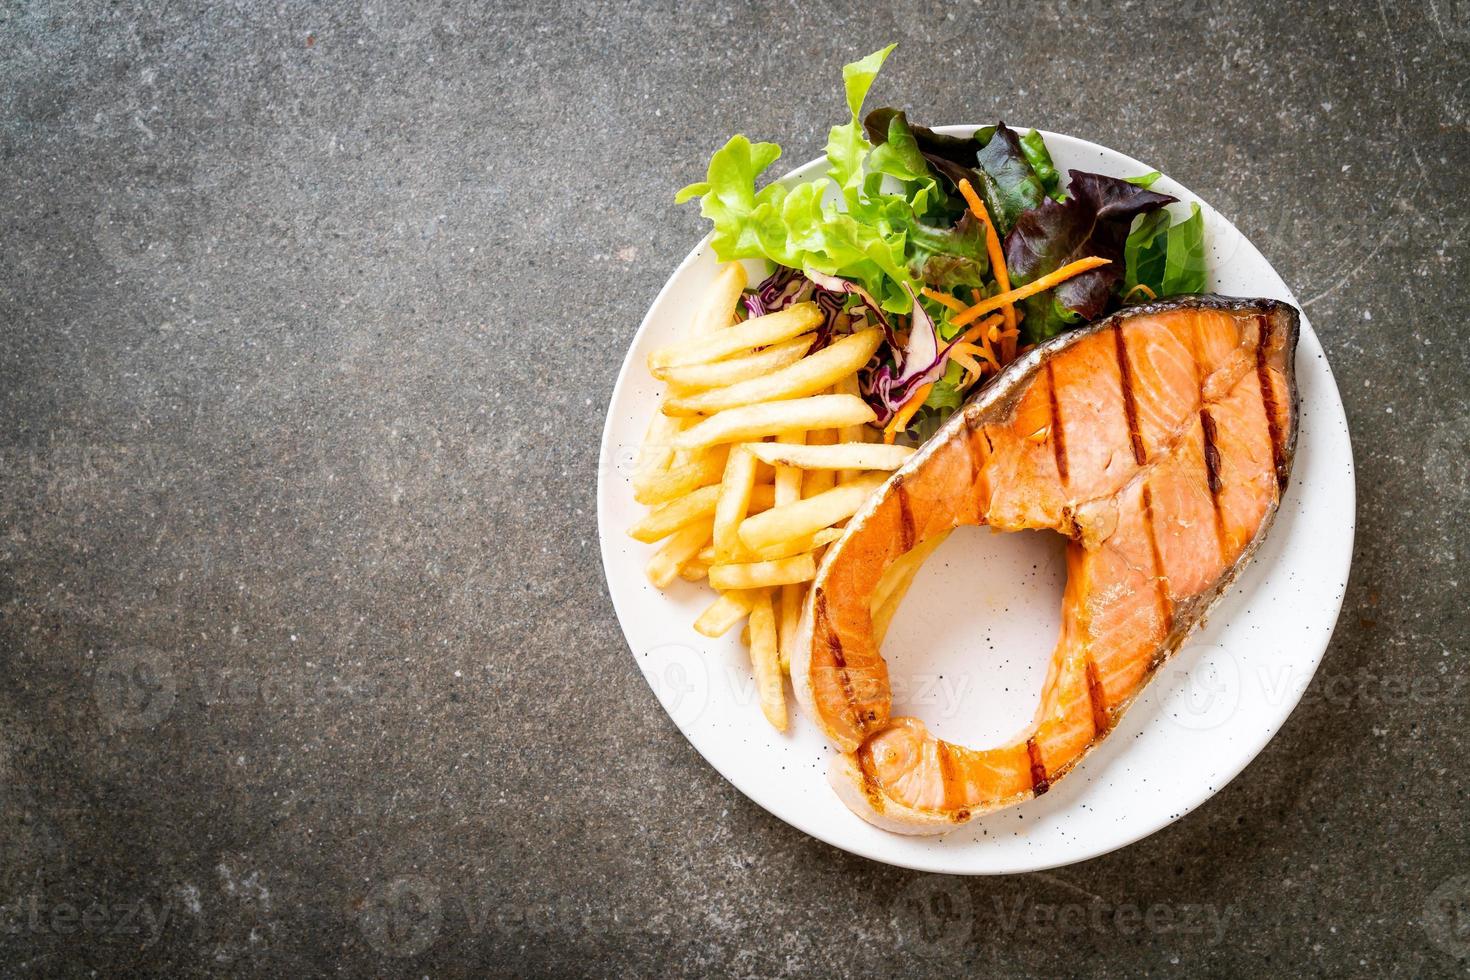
(1158, 441)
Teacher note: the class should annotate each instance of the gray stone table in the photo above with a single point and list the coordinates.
(310, 317)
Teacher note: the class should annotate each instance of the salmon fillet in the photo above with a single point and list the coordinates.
(1158, 442)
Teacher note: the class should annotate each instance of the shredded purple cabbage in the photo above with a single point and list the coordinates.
(785, 287)
(778, 291)
(885, 384)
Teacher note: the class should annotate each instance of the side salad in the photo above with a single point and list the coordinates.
(965, 251)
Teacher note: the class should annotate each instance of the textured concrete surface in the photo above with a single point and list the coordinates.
(310, 316)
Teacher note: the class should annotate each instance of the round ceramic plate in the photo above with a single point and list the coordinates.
(968, 649)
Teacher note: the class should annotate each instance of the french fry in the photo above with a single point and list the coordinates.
(681, 546)
(895, 582)
(763, 574)
(761, 331)
(883, 615)
(840, 456)
(703, 469)
(667, 518)
(850, 433)
(733, 370)
(765, 659)
(808, 376)
(750, 422)
(814, 482)
(694, 569)
(719, 305)
(722, 614)
(792, 597)
(787, 479)
(807, 516)
(657, 450)
(782, 549)
(736, 487)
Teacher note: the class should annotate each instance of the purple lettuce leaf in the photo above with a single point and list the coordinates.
(1092, 221)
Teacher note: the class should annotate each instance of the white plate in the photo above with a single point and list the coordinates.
(969, 646)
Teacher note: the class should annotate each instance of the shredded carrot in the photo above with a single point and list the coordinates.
(974, 370)
(905, 414)
(1030, 289)
(944, 299)
(973, 334)
(1141, 287)
(992, 247)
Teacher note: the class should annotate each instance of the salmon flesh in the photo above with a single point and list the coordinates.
(1158, 441)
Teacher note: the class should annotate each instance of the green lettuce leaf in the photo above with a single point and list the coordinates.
(1094, 220)
(1144, 252)
(1168, 259)
(1184, 266)
(1007, 181)
(1034, 147)
(846, 145)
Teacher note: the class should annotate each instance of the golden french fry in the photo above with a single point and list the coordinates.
(758, 332)
(787, 479)
(765, 660)
(681, 546)
(667, 518)
(763, 574)
(792, 597)
(782, 549)
(694, 569)
(729, 609)
(808, 376)
(745, 634)
(657, 450)
(698, 377)
(895, 582)
(807, 516)
(719, 303)
(734, 503)
(883, 615)
(849, 386)
(702, 469)
(840, 456)
(814, 482)
(750, 422)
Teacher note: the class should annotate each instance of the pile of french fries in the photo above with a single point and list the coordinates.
(760, 454)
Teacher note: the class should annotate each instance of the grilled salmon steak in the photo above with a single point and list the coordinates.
(1158, 442)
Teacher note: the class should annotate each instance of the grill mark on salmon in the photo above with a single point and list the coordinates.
(1161, 578)
(1212, 475)
(905, 517)
(1131, 521)
(871, 788)
(1039, 782)
(1212, 454)
(1057, 436)
(1099, 699)
(1130, 398)
(1268, 401)
(823, 615)
(948, 778)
